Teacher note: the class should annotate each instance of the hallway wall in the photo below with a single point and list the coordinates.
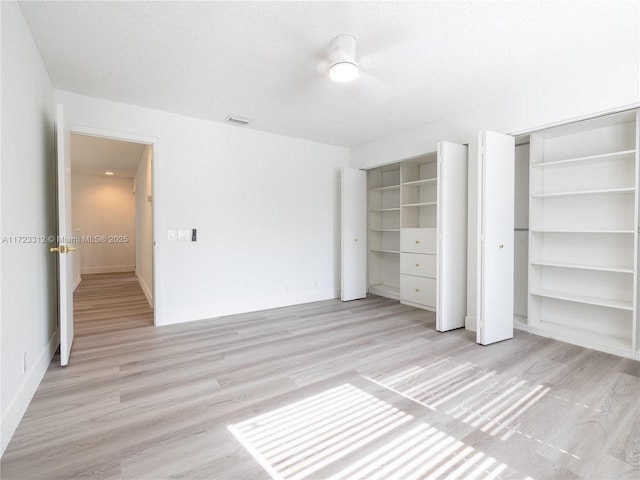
(104, 213)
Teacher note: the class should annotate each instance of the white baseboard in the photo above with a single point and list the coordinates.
(220, 309)
(146, 290)
(520, 323)
(108, 269)
(76, 282)
(14, 412)
(471, 323)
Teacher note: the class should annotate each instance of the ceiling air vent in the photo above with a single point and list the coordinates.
(238, 120)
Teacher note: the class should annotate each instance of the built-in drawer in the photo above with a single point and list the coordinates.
(418, 240)
(421, 265)
(420, 290)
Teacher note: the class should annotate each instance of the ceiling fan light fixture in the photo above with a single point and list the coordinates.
(343, 59)
(343, 72)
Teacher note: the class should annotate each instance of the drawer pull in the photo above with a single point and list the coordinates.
(501, 245)
(417, 241)
(417, 289)
(417, 264)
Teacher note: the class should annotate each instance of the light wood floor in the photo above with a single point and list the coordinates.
(109, 302)
(359, 390)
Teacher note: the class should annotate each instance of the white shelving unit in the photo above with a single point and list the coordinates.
(583, 239)
(384, 230)
(417, 232)
(418, 245)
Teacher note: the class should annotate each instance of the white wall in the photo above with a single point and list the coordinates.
(103, 211)
(28, 304)
(571, 97)
(144, 223)
(266, 208)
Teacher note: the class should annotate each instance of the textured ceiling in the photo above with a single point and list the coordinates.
(96, 155)
(260, 59)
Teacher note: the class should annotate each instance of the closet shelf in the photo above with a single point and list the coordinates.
(587, 299)
(388, 188)
(384, 229)
(420, 183)
(394, 209)
(584, 192)
(562, 230)
(582, 160)
(423, 204)
(384, 250)
(597, 268)
(583, 271)
(583, 337)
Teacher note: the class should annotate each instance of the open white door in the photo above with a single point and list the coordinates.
(353, 284)
(64, 249)
(452, 236)
(496, 193)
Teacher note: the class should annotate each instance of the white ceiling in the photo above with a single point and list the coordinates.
(259, 59)
(96, 155)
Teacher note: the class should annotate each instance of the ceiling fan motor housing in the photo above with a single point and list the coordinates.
(343, 49)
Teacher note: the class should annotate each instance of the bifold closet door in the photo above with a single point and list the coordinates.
(496, 177)
(452, 236)
(353, 219)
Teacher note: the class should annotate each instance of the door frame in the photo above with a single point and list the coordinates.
(136, 138)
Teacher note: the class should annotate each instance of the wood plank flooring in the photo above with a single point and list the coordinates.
(328, 390)
(109, 302)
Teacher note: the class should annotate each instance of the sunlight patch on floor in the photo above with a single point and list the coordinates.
(303, 437)
(422, 452)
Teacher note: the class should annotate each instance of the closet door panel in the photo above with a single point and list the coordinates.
(452, 236)
(353, 278)
(497, 173)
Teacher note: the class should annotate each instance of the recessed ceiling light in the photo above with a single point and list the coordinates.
(238, 119)
(108, 173)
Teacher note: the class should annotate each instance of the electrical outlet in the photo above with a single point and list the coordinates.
(24, 361)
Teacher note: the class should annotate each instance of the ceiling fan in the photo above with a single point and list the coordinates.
(342, 65)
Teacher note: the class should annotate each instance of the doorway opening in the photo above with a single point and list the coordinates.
(112, 221)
